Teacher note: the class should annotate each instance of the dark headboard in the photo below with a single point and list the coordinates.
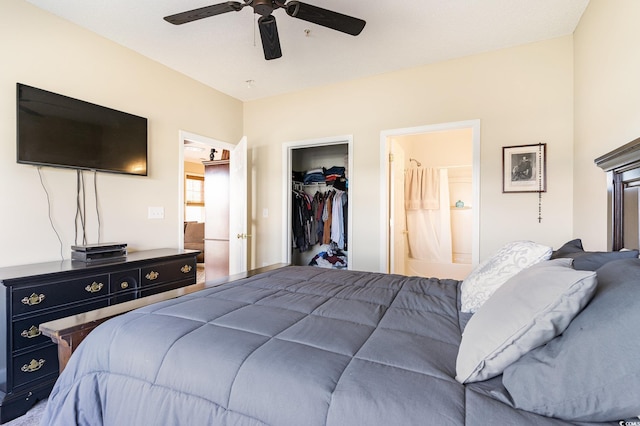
(623, 181)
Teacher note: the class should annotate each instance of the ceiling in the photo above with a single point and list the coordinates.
(197, 152)
(225, 51)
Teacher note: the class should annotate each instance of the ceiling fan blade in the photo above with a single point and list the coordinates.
(269, 36)
(326, 18)
(204, 12)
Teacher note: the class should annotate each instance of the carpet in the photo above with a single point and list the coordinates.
(31, 418)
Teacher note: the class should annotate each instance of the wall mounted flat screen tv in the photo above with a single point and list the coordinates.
(56, 130)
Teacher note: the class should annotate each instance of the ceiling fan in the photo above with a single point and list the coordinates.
(267, 22)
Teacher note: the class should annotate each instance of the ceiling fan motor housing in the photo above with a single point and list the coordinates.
(262, 7)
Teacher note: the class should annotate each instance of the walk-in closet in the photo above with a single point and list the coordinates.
(319, 223)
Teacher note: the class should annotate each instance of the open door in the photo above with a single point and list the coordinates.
(238, 236)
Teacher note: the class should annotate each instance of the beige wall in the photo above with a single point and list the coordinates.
(437, 149)
(522, 95)
(42, 50)
(607, 105)
(193, 168)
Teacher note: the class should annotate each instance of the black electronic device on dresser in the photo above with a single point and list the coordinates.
(37, 293)
(99, 252)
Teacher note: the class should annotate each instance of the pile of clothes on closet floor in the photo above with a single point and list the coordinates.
(333, 257)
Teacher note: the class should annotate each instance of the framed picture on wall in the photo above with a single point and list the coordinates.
(524, 168)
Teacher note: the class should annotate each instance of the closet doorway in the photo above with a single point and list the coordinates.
(432, 192)
(303, 162)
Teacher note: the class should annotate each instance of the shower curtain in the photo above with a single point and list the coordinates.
(428, 215)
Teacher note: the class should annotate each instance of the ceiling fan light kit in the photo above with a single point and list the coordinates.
(267, 22)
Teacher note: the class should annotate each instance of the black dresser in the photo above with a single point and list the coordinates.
(41, 292)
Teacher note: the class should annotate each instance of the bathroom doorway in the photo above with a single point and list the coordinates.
(431, 176)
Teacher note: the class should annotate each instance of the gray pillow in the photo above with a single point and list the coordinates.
(573, 246)
(530, 309)
(592, 371)
(589, 260)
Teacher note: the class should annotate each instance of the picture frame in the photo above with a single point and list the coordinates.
(524, 168)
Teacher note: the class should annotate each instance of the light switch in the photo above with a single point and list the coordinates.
(156, 212)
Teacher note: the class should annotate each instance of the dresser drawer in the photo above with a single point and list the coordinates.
(162, 273)
(124, 297)
(124, 281)
(148, 291)
(35, 298)
(26, 332)
(34, 365)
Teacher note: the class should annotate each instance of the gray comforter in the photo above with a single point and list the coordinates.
(294, 346)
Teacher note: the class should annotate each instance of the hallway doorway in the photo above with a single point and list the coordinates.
(236, 217)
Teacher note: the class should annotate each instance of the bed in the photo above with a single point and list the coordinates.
(534, 336)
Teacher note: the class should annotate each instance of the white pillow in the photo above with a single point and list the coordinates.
(495, 271)
(529, 310)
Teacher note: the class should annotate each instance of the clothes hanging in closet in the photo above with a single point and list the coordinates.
(319, 219)
(338, 218)
(318, 208)
(326, 219)
(301, 220)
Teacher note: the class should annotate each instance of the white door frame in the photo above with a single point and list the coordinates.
(287, 149)
(474, 125)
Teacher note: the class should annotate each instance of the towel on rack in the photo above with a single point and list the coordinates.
(422, 188)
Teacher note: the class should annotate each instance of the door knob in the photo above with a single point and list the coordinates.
(243, 236)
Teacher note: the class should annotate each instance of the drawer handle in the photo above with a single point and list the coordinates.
(32, 332)
(186, 269)
(94, 287)
(33, 366)
(34, 299)
(124, 285)
(152, 275)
